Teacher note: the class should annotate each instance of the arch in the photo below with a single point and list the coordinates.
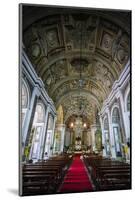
(37, 131)
(115, 115)
(25, 99)
(40, 113)
(115, 118)
(67, 80)
(71, 55)
(106, 135)
(83, 94)
(106, 123)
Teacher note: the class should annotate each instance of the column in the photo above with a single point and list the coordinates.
(42, 144)
(89, 139)
(59, 139)
(94, 127)
(67, 138)
(62, 137)
(113, 152)
(71, 136)
(125, 124)
(93, 137)
(83, 138)
(103, 136)
(52, 138)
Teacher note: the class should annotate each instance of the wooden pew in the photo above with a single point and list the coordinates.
(108, 174)
(44, 177)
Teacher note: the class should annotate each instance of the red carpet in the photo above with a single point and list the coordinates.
(76, 179)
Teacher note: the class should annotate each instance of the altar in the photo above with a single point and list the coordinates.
(78, 144)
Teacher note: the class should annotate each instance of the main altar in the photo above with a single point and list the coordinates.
(78, 144)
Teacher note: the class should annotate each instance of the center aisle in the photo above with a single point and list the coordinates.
(76, 179)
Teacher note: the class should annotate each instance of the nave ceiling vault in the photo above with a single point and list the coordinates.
(66, 48)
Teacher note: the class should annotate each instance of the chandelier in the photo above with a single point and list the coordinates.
(79, 125)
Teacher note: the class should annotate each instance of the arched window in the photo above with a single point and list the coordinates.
(106, 125)
(115, 115)
(40, 113)
(49, 134)
(116, 131)
(106, 136)
(24, 100)
(38, 129)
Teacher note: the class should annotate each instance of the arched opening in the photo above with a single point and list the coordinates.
(37, 131)
(25, 100)
(116, 131)
(107, 137)
(49, 136)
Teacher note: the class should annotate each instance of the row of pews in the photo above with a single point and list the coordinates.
(44, 177)
(108, 174)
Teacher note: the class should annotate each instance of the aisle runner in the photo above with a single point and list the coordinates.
(76, 179)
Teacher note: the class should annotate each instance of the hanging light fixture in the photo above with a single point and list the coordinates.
(79, 125)
(80, 84)
(80, 68)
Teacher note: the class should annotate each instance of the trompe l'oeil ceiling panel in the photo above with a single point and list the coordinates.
(68, 48)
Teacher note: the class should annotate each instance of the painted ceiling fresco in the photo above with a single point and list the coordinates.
(78, 57)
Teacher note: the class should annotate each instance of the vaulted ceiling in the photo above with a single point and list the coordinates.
(78, 54)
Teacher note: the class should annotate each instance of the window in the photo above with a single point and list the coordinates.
(38, 125)
(24, 96)
(115, 116)
(106, 136)
(116, 131)
(106, 125)
(24, 100)
(40, 113)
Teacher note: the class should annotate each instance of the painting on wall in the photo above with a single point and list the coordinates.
(74, 81)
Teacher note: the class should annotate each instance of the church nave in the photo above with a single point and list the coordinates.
(75, 100)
